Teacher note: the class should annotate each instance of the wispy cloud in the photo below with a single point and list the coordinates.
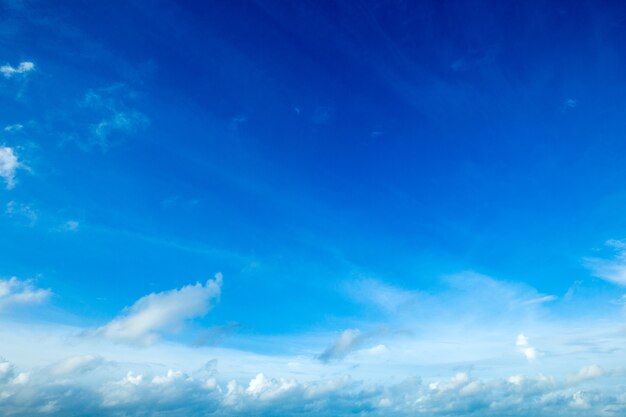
(20, 292)
(23, 214)
(612, 269)
(13, 128)
(21, 69)
(347, 341)
(382, 295)
(70, 226)
(9, 164)
(100, 115)
(167, 311)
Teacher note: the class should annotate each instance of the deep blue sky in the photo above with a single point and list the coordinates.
(304, 148)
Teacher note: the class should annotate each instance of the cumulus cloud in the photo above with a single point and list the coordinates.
(163, 312)
(22, 68)
(20, 292)
(612, 269)
(114, 389)
(9, 164)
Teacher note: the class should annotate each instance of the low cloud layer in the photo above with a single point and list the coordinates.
(92, 386)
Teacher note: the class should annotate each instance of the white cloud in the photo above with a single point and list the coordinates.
(22, 69)
(17, 292)
(9, 164)
(162, 380)
(587, 373)
(610, 269)
(525, 348)
(163, 312)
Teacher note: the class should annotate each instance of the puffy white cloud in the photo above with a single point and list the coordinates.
(17, 292)
(9, 164)
(133, 384)
(22, 69)
(163, 312)
(524, 347)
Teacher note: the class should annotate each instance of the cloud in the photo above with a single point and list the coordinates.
(13, 128)
(384, 296)
(23, 214)
(104, 113)
(112, 389)
(9, 164)
(347, 342)
(76, 364)
(17, 292)
(22, 69)
(70, 226)
(524, 347)
(163, 312)
(587, 373)
(610, 269)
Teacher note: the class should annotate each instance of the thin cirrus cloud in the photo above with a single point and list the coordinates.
(105, 113)
(166, 311)
(15, 292)
(611, 269)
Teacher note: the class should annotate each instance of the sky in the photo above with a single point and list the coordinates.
(312, 208)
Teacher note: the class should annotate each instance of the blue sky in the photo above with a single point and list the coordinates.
(312, 208)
